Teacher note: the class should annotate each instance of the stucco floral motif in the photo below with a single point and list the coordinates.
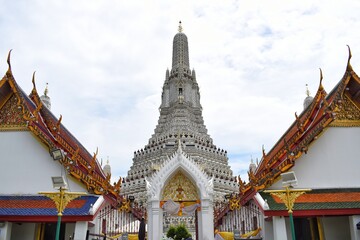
(180, 188)
(11, 115)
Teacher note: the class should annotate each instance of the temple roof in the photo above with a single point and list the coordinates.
(20, 112)
(339, 108)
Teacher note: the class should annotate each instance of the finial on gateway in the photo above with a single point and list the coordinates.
(180, 27)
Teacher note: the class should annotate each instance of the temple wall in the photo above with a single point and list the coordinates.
(23, 231)
(332, 161)
(336, 228)
(28, 166)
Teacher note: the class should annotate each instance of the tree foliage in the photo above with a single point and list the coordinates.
(171, 232)
(178, 233)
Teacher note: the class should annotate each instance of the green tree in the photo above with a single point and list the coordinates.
(171, 232)
(181, 232)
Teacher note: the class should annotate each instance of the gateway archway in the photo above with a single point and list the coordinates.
(180, 202)
(160, 182)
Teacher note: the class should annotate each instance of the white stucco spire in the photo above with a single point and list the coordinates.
(252, 166)
(45, 98)
(308, 100)
(107, 168)
(180, 51)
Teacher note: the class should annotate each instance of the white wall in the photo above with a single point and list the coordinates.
(26, 165)
(5, 230)
(23, 231)
(336, 228)
(69, 230)
(332, 161)
(268, 231)
(354, 232)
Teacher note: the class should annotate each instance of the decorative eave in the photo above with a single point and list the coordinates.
(35, 208)
(340, 108)
(38, 119)
(317, 202)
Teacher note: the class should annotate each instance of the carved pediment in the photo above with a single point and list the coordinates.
(347, 114)
(11, 116)
(180, 188)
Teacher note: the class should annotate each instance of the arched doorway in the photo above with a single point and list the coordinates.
(156, 189)
(180, 202)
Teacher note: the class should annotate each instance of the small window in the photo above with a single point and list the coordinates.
(180, 91)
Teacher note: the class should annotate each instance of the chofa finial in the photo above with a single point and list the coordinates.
(33, 80)
(321, 78)
(349, 67)
(8, 59)
(180, 28)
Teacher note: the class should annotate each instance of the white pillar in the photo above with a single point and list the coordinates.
(206, 220)
(268, 230)
(279, 226)
(80, 230)
(5, 230)
(354, 232)
(155, 224)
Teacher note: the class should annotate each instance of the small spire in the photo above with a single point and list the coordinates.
(46, 90)
(308, 100)
(307, 91)
(180, 28)
(45, 98)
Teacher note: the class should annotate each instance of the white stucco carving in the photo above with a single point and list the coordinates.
(179, 160)
(154, 185)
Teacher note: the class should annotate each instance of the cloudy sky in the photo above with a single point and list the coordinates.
(105, 63)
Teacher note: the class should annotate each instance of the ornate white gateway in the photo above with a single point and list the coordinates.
(180, 162)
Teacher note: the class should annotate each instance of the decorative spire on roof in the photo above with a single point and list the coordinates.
(107, 167)
(321, 78)
(308, 100)
(46, 89)
(45, 98)
(180, 28)
(252, 166)
(349, 67)
(33, 82)
(263, 151)
(8, 61)
(58, 125)
(307, 90)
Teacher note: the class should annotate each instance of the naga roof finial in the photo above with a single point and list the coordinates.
(321, 78)
(349, 67)
(8, 60)
(180, 28)
(33, 80)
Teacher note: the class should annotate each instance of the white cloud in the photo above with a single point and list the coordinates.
(105, 62)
